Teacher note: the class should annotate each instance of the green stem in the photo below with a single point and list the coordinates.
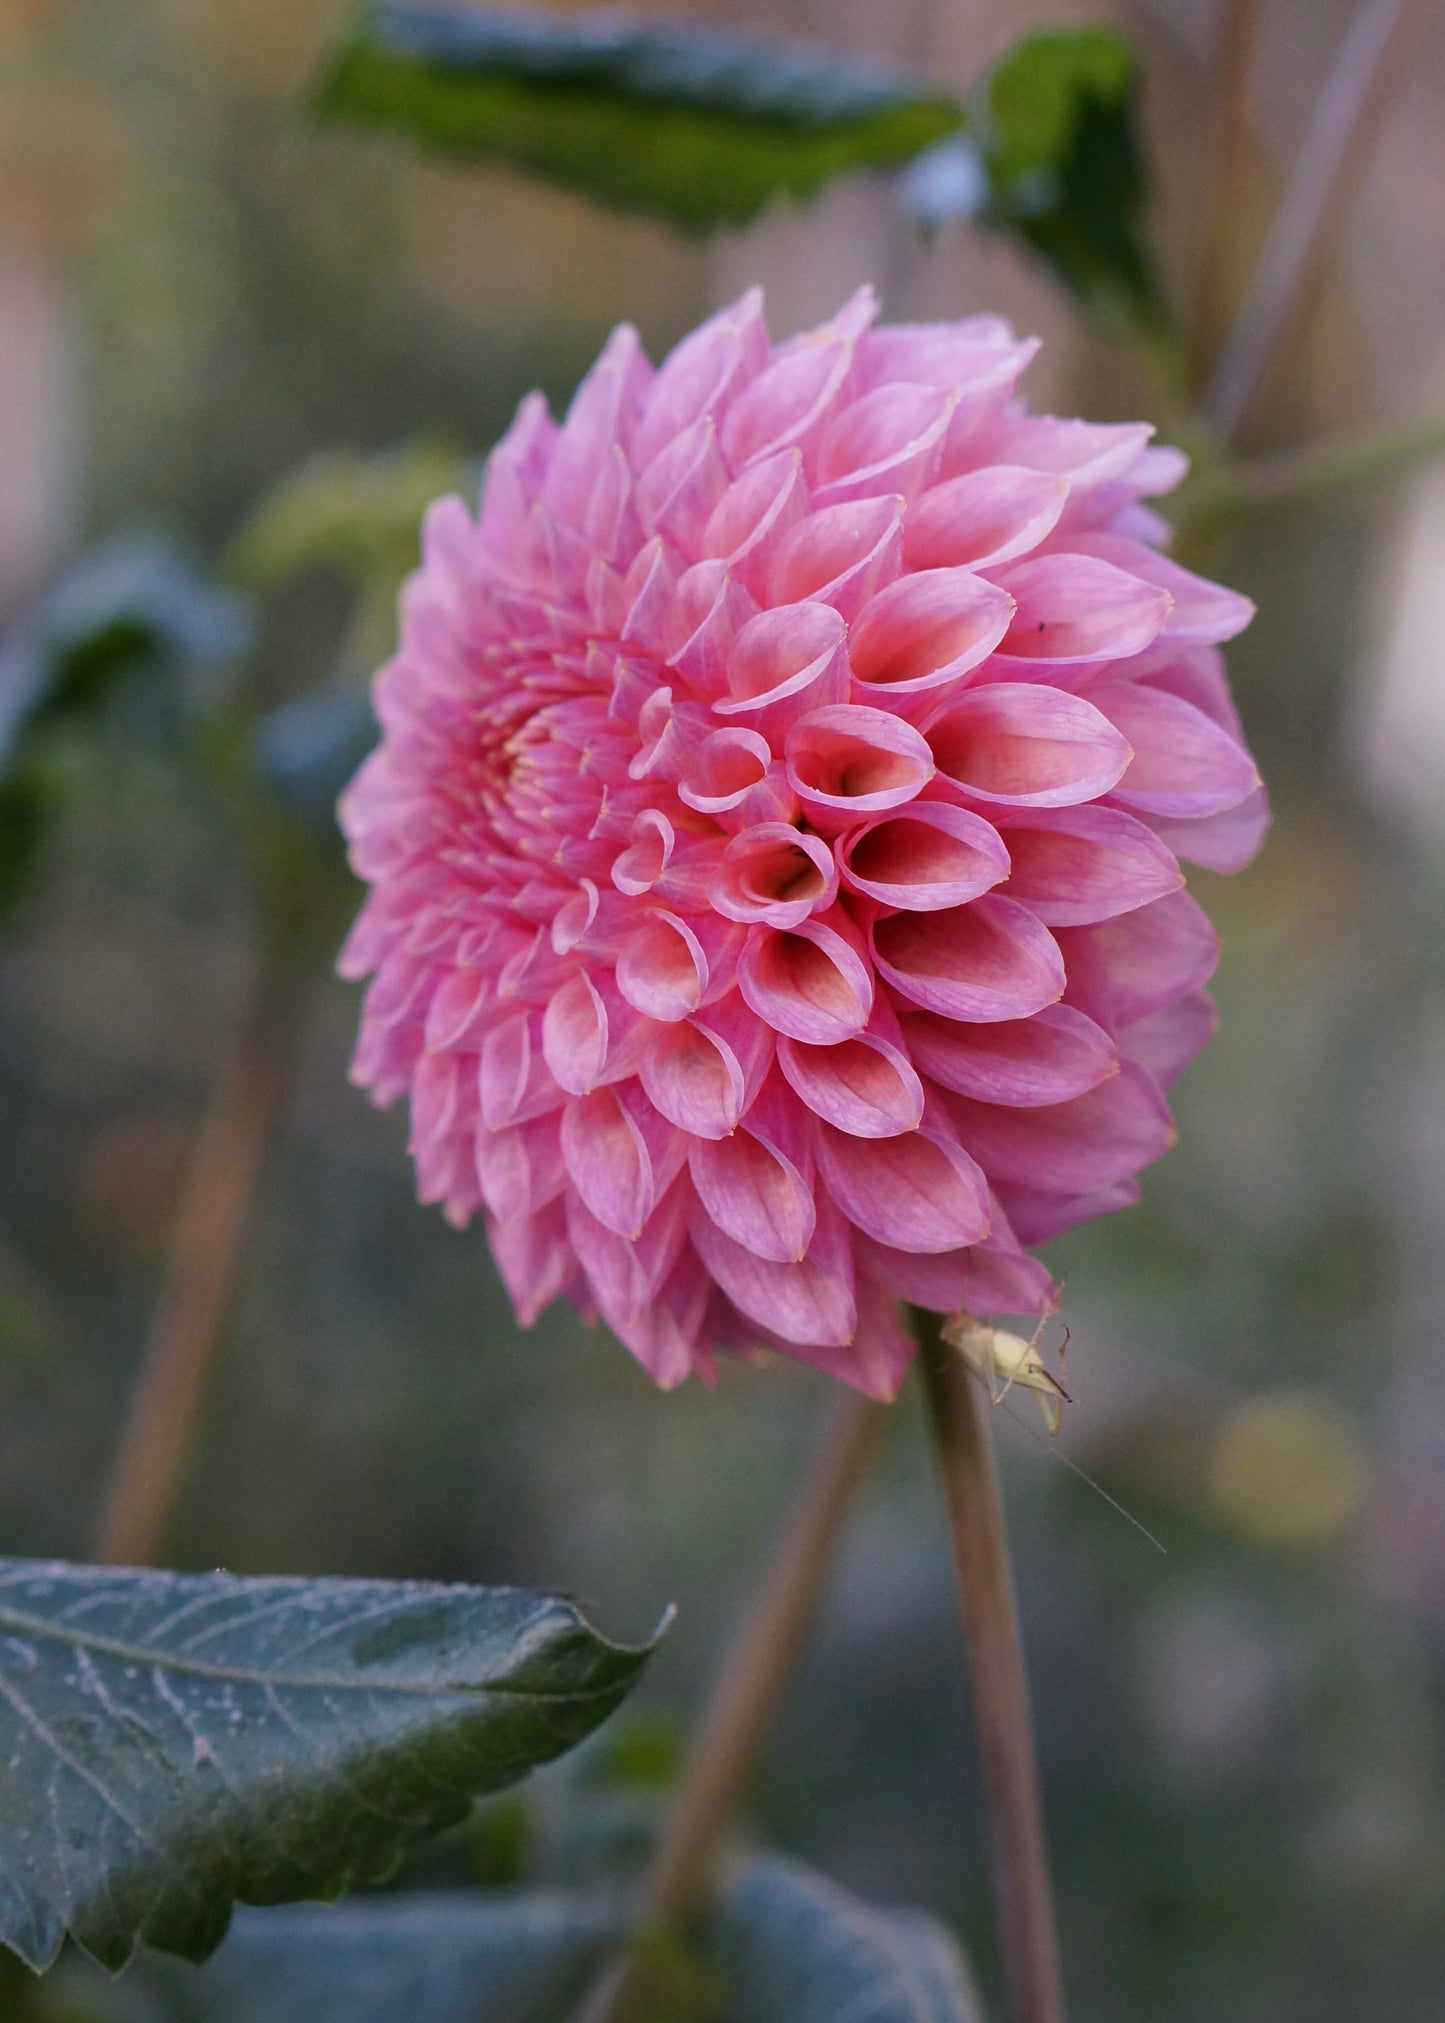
(1023, 1894)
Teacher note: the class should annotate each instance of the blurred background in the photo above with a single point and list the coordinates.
(1243, 1734)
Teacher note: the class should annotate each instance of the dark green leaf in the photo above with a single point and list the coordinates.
(794, 1948)
(174, 1742)
(702, 125)
(452, 1957)
(1054, 124)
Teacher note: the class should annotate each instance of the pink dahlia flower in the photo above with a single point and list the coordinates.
(773, 840)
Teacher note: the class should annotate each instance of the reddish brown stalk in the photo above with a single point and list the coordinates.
(1225, 163)
(1336, 151)
(158, 1438)
(1023, 1896)
(760, 1663)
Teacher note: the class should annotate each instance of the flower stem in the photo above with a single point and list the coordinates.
(1023, 1897)
(1337, 147)
(760, 1663)
(158, 1437)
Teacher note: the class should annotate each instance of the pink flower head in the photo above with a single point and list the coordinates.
(775, 908)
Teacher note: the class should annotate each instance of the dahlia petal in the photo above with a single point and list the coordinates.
(1056, 1054)
(663, 1337)
(1014, 744)
(788, 402)
(1201, 614)
(811, 981)
(991, 959)
(702, 1073)
(646, 857)
(809, 1304)
(866, 1086)
(980, 1279)
(520, 1168)
(1225, 842)
(757, 511)
(924, 859)
(1183, 763)
(1077, 608)
(514, 1079)
(699, 373)
(1155, 956)
(536, 1260)
(840, 555)
(608, 1161)
(982, 518)
(976, 357)
(1039, 1216)
(728, 766)
(626, 1274)
(886, 441)
(1092, 1141)
(775, 873)
(927, 631)
(589, 1035)
(1166, 1041)
(755, 1194)
(721, 607)
(1084, 452)
(663, 969)
(919, 1191)
(881, 1352)
(785, 662)
(459, 1012)
(847, 761)
(603, 411)
(1073, 866)
(679, 490)
(1195, 674)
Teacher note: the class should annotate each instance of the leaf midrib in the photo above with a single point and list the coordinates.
(42, 1630)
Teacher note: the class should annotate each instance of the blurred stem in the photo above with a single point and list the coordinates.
(761, 1661)
(1224, 171)
(158, 1438)
(1023, 1895)
(1337, 147)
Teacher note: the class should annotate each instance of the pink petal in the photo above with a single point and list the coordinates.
(1084, 452)
(865, 1086)
(774, 873)
(514, 1080)
(919, 1191)
(699, 373)
(1225, 842)
(1039, 1215)
(1167, 1041)
(847, 761)
(755, 1194)
(788, 402)
(1153, 957)
(608, 1160)
(1183, 763)
(926, 631)
(703, 1073)
(1074, 607)
(1072, 866)
(783, 663)
(982, 518)
(1203, 613)
(681, 488)
(930, 857)
(755, 513)
(535, 1259)
(809, 1303)
(811, 982)
(520, 1168)
(663, 969)
(728, 767)
(887, 441)
(975, 356)
(1015, 744)
(988, 960)
(1091, 1141)
(460, 1011)
(1056, 1054)
(721, 607)
(840, 556)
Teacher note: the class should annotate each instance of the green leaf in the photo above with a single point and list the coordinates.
(172, 1743)
(794, 1948)
(701, 125)
(444, 1957)
(1054, 125)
